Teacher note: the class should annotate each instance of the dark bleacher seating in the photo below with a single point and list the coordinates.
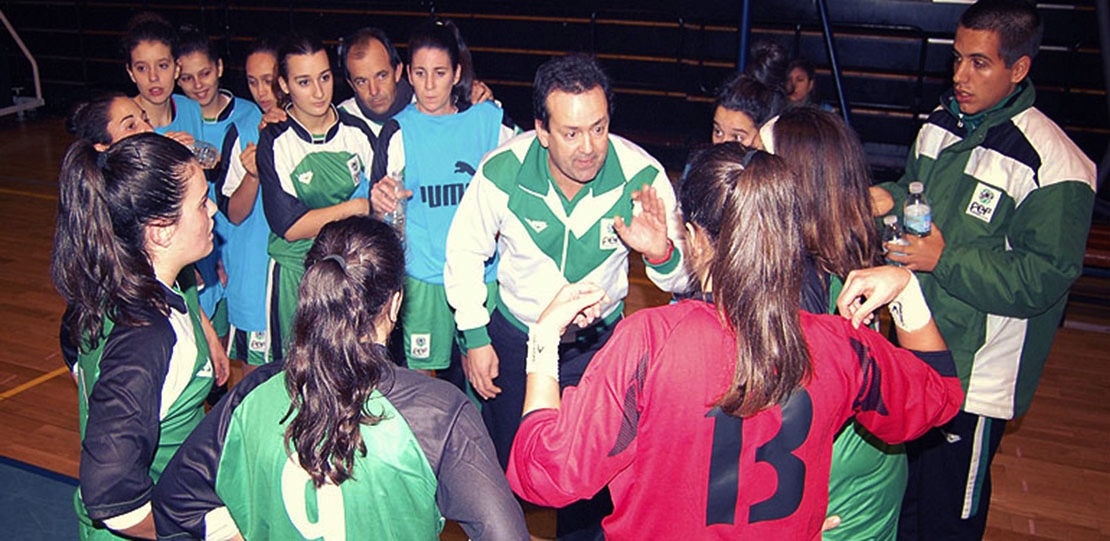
(665, 57)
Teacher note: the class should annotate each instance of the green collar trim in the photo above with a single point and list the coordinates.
(535, 175)
(972, 122)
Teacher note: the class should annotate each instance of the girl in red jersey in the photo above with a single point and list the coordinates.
(715, 417)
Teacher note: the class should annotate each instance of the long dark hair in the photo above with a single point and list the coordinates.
(442, 34)
(106, 201)
(89, 119)
(353, 269)
(744, 200)
(833, 179)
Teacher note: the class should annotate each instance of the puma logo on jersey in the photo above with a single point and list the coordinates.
(463, 167)
(305, 178)
(537, 225)
(444, 195)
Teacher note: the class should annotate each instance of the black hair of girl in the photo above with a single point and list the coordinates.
(147, 26)
(760, 90)
(745, 93)
(264, 44)
(745, 202)
(106, 202)
(769, 64)
(353, 269)
(191, 40)
(444, 35)
(297, 44)
(803, 64)
(89, 119)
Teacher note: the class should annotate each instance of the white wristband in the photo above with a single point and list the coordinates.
(543, 351)
(908, 310)
(219, 526)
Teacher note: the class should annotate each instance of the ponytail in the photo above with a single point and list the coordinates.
(745, 202)
(352, 272)
(106, 200)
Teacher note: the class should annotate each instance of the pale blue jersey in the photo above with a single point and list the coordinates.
(442, 154)
(188, 118)
(244, 251)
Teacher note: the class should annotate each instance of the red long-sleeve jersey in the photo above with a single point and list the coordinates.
(642, 421)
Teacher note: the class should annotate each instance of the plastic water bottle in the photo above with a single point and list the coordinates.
(206, 154)
(892, 234)
(397, 217)
(916, 212)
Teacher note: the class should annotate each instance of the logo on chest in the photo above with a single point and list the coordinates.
(355, 168)
(205, 371)
(984, 201)
(305, 178)
(608, 238)
(537, 225)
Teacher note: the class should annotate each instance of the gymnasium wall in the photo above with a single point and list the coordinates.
(665, 57)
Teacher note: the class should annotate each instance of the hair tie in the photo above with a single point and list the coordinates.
(338, 259)
(748, 155)
(101, 160)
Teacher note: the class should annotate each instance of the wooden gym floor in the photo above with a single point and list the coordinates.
(1051, 476)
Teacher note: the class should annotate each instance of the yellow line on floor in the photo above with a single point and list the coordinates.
(48, 197)
(33, 383)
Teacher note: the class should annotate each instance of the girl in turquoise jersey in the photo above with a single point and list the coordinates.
(231, 125)
(442, 139)
(149, 49)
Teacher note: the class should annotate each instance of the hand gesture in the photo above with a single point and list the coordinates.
(273, 116)
(247, 158)
(866, 290)
(647, 233)
(480, 92)
(578, 303)
(881, 201)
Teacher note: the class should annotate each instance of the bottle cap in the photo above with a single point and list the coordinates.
(917, 187)
(890, 219)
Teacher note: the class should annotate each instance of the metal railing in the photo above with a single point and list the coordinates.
(23, 104)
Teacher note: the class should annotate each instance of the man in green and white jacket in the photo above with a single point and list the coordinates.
(561, 204)
(1011, 203)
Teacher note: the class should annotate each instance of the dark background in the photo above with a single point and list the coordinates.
(665, 57)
